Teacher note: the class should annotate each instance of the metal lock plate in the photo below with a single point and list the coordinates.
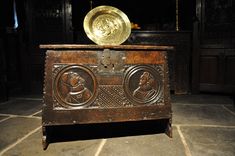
(111, 61)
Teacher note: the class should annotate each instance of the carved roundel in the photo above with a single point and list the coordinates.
(75, 86)
(143, 84)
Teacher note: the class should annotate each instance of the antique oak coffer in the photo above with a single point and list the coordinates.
(87, 84)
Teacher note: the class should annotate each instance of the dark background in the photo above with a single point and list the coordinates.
(204, 60)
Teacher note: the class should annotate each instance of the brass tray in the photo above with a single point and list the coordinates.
(107, 25)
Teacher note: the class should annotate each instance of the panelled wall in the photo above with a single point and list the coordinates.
(21, 61)
(217, 45)
(48, 22)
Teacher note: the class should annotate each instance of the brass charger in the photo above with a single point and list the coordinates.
(107, 25)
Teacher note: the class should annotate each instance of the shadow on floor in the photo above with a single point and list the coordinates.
(104, 130)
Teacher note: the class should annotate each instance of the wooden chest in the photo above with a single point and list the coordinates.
(87, 84)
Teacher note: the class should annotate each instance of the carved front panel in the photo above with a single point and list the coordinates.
(76, 86)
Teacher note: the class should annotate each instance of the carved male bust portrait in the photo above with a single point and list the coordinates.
(145, 88)
(78, 92)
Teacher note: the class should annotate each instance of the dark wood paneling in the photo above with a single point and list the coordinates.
(208, 72)
(217, 70)
(49, 22)
(217, 45)
(230, 70)
(3, 74)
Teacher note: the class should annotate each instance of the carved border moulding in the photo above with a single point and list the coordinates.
(74, 86)
(143, 84)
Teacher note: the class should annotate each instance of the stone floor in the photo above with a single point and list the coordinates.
(203, 125)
